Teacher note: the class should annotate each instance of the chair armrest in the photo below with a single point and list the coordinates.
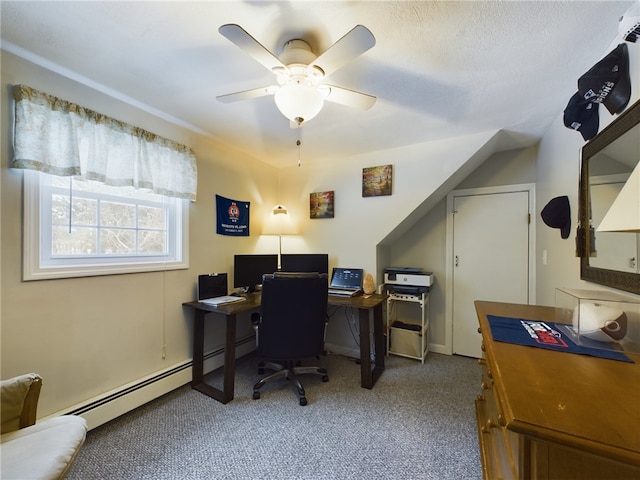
(19, 401)
(30, 408)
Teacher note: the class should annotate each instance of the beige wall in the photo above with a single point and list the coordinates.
(88, 336)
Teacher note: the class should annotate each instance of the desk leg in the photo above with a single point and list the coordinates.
(198, 348)
(369, 375)
(228, 369)
(379, 342)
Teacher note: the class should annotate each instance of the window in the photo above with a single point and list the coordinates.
(76, 227)
(117, 199)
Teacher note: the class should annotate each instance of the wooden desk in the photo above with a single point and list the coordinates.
(545, 414)
(370, 370)
(230, 311)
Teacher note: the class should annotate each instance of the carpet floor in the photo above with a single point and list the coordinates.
(418, 422)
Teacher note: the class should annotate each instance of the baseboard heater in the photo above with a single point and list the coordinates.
(116, 403)
(121, 393)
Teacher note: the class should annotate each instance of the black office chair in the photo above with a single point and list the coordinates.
(290, 327)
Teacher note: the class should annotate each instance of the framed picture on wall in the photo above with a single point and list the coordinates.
(321, 204)
(377, 181)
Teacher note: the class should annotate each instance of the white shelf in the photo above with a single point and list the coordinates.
(411, 341)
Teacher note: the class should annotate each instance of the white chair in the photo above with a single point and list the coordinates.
(45, 450)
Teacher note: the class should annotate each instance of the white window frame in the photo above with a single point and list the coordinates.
(38, 265)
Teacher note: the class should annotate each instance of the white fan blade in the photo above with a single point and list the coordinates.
(247, 94)
(241, 38)
(350, 98)
(353, 44)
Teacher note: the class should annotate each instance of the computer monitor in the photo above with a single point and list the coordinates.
(305, 262)
(248, 269)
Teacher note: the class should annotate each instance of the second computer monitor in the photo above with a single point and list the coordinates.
(248, 269)
(305, 262)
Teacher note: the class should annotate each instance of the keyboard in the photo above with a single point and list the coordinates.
(343, 293)
(224, 300)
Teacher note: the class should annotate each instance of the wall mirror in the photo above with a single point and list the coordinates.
(609, 258)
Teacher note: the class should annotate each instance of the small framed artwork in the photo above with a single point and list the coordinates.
(377, 181)
(321, 204)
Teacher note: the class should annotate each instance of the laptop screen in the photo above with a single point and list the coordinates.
(211, 285)
(346, 278)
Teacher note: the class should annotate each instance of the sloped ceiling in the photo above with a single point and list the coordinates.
(439, 69)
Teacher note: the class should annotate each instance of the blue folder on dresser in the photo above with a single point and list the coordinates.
(548, 335)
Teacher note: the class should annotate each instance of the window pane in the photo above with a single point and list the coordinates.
(60, 210)
(117, 214)
(81, 241)
(151, 217)
(151, 241)
(85, 211)
(117, 241)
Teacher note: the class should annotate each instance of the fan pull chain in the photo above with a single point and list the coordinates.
(298, 142)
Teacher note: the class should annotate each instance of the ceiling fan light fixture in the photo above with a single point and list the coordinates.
(299, 94)
(297, 100)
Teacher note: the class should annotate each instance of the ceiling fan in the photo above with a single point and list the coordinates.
(300, 93)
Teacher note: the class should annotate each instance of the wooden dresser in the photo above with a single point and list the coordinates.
(554, 415)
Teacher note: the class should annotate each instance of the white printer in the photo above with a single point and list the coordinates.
(408, 276)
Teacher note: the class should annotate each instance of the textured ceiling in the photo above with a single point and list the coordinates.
(439, 69)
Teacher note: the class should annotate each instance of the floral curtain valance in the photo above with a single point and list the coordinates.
(61, 138)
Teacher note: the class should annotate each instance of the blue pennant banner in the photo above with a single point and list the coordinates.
(232, 217)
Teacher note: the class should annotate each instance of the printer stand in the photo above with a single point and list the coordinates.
(408, 325)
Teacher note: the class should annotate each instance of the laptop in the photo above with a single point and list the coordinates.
(212, 290)
(346, 282)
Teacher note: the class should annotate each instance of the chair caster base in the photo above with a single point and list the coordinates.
(290, 372)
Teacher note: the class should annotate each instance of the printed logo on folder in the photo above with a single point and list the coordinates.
(543, 334)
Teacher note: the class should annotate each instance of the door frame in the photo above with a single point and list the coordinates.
(523, 187)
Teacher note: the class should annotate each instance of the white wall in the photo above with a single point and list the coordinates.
(424, 245)
(361, 223)
(558, 173)
(352, 238)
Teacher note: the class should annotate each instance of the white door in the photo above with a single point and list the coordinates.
(490, 259)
